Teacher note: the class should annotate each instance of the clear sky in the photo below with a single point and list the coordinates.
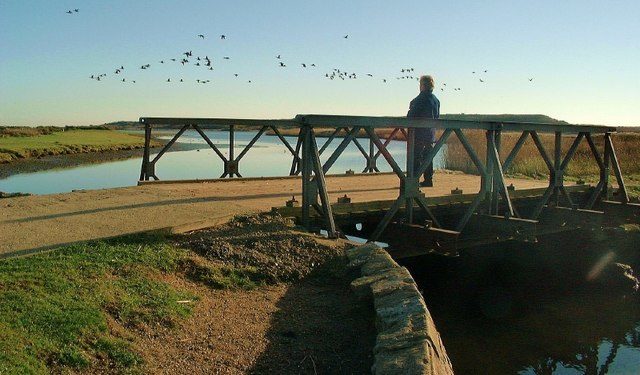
(583, 56)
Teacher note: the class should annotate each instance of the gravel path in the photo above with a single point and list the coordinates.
(37, 222)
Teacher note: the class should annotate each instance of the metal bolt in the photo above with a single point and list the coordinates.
(344, 199)
(292, 202)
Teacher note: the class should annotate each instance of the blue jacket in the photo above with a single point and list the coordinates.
(428, 106)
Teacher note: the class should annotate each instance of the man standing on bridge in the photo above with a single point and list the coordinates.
(425, 105)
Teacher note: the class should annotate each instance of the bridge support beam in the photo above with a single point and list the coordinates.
(621, 213)
(314, 185)
(499, 228)
(563, 218)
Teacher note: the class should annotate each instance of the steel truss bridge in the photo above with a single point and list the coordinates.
(494, 213)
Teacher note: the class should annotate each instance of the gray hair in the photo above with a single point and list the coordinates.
(426, 82)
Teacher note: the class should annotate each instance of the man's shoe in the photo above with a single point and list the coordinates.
(427, 183)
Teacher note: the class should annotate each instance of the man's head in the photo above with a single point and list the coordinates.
(426, 83)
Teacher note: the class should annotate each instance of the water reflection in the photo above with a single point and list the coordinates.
(520, 310)
(269, 157)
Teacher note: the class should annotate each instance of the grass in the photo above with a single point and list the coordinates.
(529, 163)
(65, 142)
(67, 309)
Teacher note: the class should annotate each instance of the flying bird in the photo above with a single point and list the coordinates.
(223, 37)
(282, 65)
(304, 65)
(481, 80)
(346, 36)
(530, 79)
(226, 57)
(76, 10)
(69, 12)
(278, 57)
(200, 36)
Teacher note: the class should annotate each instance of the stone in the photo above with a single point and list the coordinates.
(359, 259)
(377, 262)
(362, 286)
(362, 251)
(407, 340)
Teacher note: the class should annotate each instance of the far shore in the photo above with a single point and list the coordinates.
(31, 165)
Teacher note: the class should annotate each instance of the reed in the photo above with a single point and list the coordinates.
(529, 162)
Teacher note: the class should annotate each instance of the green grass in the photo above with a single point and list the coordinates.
(66, 142)
(57, 310)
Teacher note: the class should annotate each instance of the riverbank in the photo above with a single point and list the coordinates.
(84, 154)
(252, 296)
(45, 163)
(67, 142)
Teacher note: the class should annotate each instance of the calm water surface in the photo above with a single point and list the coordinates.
(268, 157)
(520, 309)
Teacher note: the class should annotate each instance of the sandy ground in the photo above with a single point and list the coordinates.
(302, 318)
(39, 222)
(285, 329)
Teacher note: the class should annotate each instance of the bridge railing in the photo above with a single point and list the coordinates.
(492, 199)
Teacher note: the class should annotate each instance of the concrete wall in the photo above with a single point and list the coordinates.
(407, 340)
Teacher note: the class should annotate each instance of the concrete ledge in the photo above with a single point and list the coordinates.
(407, 340)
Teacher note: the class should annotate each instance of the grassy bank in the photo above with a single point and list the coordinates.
(58, 310)
(45, 142)
(95, 307)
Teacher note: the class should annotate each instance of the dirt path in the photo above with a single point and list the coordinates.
(285, 329)
(39, 222)
(300, 316)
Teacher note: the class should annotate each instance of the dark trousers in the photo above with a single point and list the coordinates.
(422, 149)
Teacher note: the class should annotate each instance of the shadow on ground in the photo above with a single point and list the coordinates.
(320, 327)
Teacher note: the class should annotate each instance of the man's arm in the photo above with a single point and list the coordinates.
(412, 109)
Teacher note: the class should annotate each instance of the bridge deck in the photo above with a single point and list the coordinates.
(40, 222)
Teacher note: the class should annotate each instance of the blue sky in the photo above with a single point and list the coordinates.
(583, 56)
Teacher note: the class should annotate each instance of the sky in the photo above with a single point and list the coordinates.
(583, 58)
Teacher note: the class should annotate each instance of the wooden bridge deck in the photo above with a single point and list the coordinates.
(35, 223)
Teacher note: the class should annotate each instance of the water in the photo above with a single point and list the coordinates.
(268, 157)
(527, 308)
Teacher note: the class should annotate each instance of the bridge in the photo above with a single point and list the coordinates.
(445, 223)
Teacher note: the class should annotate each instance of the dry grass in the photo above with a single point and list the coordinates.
(529, 162)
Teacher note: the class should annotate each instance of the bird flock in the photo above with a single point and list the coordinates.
(207, 64)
